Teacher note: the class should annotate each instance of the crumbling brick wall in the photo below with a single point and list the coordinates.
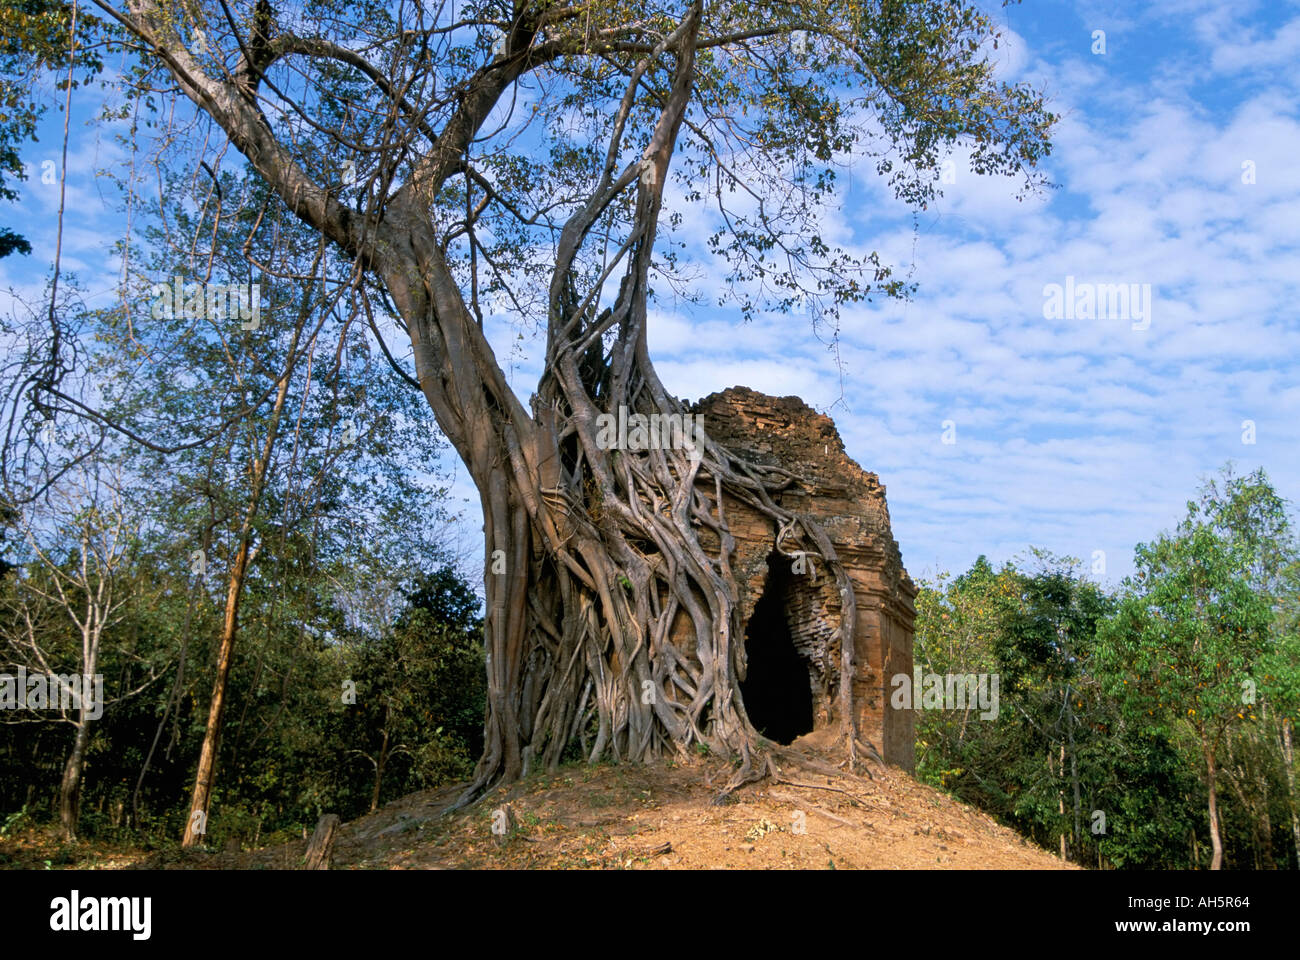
(849, 503)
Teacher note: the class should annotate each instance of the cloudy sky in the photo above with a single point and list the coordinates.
(1075, 435)
(993, 426)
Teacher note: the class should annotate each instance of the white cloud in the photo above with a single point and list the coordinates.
(1074, 435)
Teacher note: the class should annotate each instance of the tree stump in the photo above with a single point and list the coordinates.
(504, 823)
(321, 846)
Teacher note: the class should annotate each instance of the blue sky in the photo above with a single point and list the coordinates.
(1074, 435)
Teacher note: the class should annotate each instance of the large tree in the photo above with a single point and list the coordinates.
(516, 158)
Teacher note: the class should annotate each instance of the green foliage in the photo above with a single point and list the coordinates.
(291, 743)
(1186, 640)
(15, 821)
(1109, 703)
(421, 689)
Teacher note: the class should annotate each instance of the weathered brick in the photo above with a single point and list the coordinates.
(849, 503)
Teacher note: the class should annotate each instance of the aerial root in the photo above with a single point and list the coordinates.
(748, 773)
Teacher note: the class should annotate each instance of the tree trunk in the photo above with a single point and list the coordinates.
(1216, 859)
(1060, 794)
(70, 786)
(1288, 764)
(610, 598)
(320, 849)
(1076, 830)
(196, 823)
(379, 765)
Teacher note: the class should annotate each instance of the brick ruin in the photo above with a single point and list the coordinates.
(792, 616)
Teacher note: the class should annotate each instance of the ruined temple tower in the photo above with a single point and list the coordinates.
(791, 637)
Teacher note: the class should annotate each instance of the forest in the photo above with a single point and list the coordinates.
(1120, 709)
(1150, 726)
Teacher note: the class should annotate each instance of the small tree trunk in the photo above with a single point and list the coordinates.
(1288, 764)
(196, 826)
(1077, 834)
(320, 849)
(1060, 795)
(1264, 820)
(379, 767)
(1216, 860)
(70, 787)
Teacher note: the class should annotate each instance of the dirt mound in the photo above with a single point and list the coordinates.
(663, 816)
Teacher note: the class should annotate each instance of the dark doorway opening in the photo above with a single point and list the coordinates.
(776, 690)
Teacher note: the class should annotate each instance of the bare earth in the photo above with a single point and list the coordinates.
(662, 816)
(646, 817)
